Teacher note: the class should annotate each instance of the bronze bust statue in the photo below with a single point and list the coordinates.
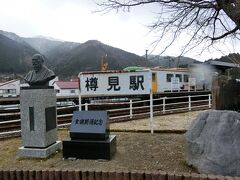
(40, 75)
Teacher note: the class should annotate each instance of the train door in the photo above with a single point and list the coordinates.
(154, 82)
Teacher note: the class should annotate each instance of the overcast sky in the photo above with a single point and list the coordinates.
(74, 20)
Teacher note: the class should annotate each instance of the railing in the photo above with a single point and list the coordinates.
(149, 108)
(164, 107)
(132, 109)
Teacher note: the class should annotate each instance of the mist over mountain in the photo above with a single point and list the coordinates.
(69, 58)
(15, 54)
(42, 45)
(171, 62)
(87, 57)
(55, 51)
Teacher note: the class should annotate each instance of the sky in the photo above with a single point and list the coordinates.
(77, 21)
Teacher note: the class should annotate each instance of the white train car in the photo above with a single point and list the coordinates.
(162, 80)
(130, 82)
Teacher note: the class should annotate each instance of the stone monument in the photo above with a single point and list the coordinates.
(213, 143)
(38, 113)
(89, 137)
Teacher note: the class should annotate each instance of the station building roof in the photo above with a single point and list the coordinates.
(222, 65)
(67, 84)
(8, 82)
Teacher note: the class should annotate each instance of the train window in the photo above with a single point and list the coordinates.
(179, 76)
(5, 91)
(169, 76)
(185, 77)
(153, 76)
(12, 91)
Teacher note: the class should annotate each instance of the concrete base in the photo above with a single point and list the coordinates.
(38, 117)
(90, 149)
(39, 152)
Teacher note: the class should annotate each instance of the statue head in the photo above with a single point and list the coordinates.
(37, 62)
(41, 75)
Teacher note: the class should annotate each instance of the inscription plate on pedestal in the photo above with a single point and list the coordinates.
(50, 116)
(89, 125)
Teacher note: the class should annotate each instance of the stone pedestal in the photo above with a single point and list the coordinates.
(38, 122)
(90, 149)
(89, 137)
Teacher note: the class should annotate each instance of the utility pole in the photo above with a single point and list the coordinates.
(178, 59)
(146, 54)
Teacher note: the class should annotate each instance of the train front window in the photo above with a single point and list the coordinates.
(185, 77)
(179, 76)
(153, 76)
(169, 76)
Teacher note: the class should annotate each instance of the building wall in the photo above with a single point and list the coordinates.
(10, 89)
(65, 92)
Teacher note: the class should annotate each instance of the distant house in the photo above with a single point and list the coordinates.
(66, 88)
(10, 88)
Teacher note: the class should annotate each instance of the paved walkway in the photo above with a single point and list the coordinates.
(177, 123)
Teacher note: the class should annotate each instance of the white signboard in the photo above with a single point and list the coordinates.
(192, 81)
(115, 83)
(175, 85)
(192, 84)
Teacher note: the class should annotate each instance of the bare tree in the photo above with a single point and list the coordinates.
(207, 21)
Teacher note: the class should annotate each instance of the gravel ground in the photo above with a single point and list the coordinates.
(167, 123)
(137, 150)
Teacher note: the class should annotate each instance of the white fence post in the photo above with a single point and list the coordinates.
(131, 110)
(189, 103)
(86, 106)
(209, 100)
(79, 101)
(164, 103)
(151, 111)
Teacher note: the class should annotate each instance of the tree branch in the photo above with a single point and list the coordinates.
(225, 34)
(205, 20)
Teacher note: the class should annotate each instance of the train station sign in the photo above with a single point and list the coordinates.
(115, 83)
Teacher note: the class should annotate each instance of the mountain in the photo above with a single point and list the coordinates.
(15, 54)
(14, 37)
(65, 58)
(61, 52)
(70, 58)
(87, 57)
(54, 50)
(42, 45)
(170, 61)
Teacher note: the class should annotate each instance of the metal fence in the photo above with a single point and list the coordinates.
(128, 110)
(159, 106)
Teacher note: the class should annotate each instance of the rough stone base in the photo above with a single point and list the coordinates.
(213, 143)
(39, 152)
